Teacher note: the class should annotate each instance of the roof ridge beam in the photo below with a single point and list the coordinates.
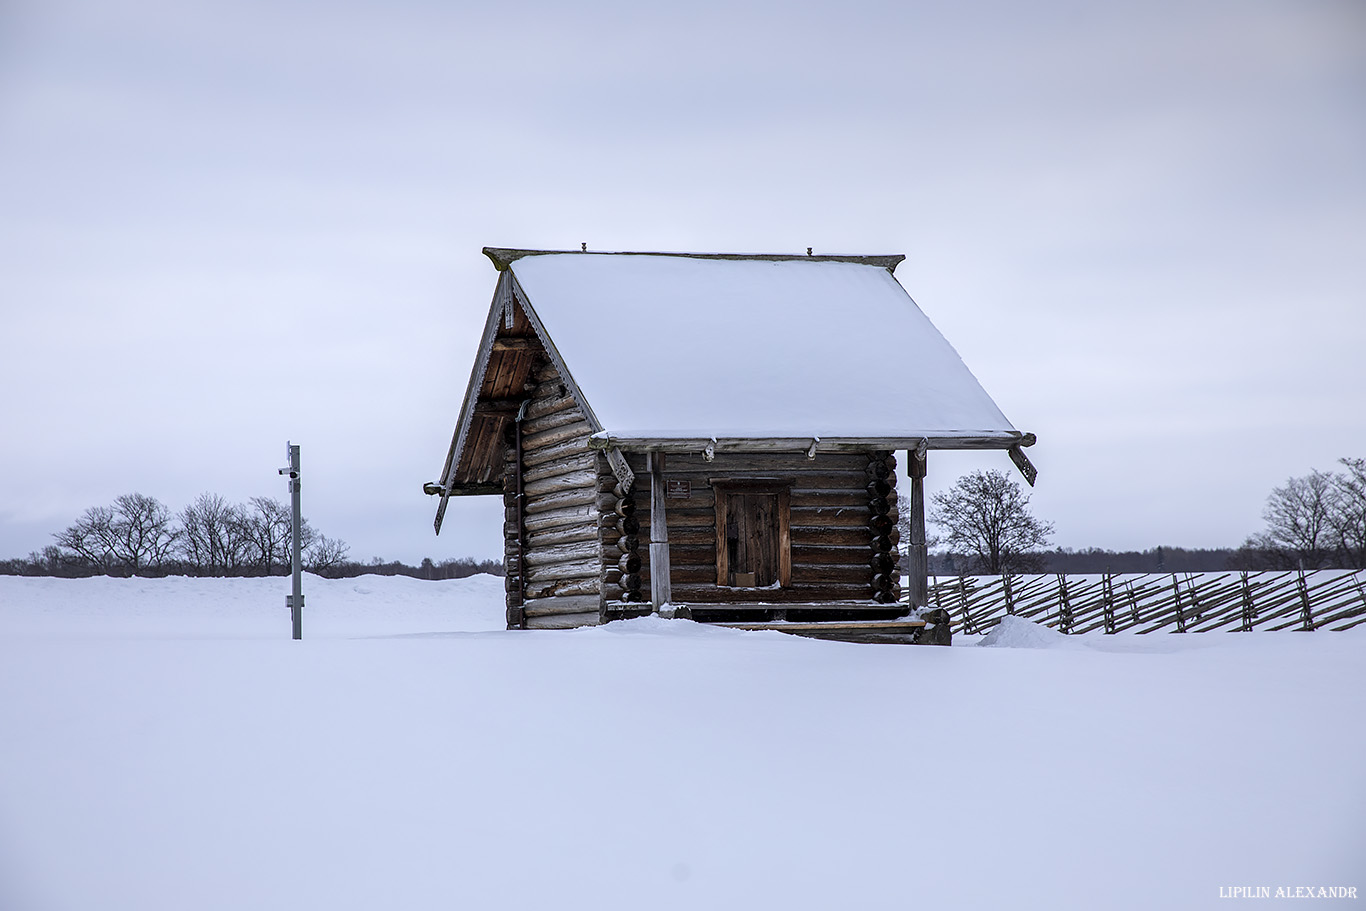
(504, 257)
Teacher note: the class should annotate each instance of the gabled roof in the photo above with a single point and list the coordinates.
(687, 347)
(665, 350)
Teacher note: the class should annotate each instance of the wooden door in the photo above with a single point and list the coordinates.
(752, 539)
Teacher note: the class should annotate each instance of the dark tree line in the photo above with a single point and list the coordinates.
(1317, 521)
(138, 535)
(1097, 560)
(458, 568)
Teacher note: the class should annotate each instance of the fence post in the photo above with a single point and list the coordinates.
(1249, 609)
(1005, 583)
(1306, 612)
(1064, 607)
(969, 626)
(1134, 616)
(1193, 589)
(1108, 600)
(1180, 614)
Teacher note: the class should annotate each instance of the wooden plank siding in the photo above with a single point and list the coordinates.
(560, 581)
(829, 512)
(515, 353)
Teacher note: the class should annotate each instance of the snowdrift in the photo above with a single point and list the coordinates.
(166, 746)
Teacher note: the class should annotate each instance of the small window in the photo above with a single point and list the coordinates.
(753, 533)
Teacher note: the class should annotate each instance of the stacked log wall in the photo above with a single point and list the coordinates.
(562, 551)
(832, 543)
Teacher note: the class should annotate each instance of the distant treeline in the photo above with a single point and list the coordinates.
(37, 564)
(447, 569)
(1096, 560)
(138, 535)
(1317, 521)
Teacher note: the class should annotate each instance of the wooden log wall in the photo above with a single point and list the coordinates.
(832, 500)
(559, 584)
(881, 487)
(621, 539)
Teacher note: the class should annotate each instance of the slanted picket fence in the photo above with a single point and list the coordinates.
(1149, 602)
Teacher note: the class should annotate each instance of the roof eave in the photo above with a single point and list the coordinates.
(966, 440)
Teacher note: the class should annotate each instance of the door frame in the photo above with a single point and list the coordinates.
(780, 486)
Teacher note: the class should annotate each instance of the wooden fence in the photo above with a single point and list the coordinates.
(1149, 602)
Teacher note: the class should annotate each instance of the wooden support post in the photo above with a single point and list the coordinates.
(1064, 606)
(1306, 610)
(918, 572)
(1180, 614)
(969, 625)
(1249, 609)
(1108, 602)
(661, 592)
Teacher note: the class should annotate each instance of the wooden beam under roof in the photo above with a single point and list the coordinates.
(985, 440)
(515, 344)
(497, 406)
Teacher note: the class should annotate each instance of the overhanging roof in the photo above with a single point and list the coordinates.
(682, 346)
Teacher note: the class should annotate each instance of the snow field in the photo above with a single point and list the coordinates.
(165, 745)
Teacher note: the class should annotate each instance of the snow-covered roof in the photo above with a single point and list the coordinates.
(676, 346)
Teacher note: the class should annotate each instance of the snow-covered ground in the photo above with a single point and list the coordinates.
(164, 745)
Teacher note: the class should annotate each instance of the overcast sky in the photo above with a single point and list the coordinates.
(228, 225)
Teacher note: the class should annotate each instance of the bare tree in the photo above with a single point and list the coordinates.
(146, 538)
(213, 535)
(1349, 513)
(91, 539)
(1299, 523)
(267, 526)
(985, 516)
(133, 535)
(324, 554)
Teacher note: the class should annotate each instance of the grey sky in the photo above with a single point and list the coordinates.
(226, 225)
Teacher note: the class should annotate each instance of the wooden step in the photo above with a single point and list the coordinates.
(900, 632)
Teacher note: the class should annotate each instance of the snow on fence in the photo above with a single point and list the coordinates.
(1149, 602)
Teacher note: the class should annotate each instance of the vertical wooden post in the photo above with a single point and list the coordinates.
(969, 624)
(517, 617)
(918, 572)
(661, 593)
(1306, 611)
(1064, 606)
(1180, 614)
(1108, 602)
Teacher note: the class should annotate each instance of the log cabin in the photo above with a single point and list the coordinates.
(712, 436)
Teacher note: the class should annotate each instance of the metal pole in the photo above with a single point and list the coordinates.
(296, 599)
